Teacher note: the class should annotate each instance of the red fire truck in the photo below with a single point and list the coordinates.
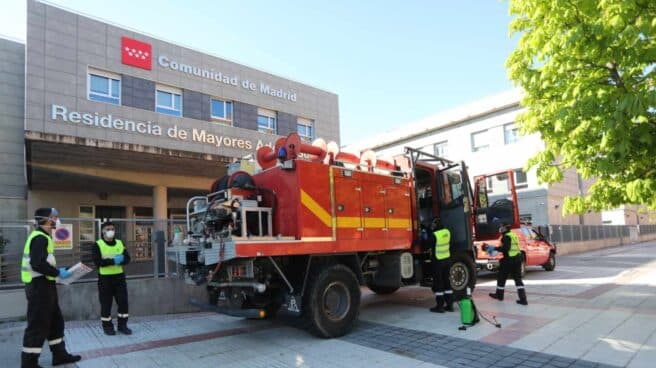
(310, 228)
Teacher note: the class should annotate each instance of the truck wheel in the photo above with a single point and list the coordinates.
(332, 301)
(382, 290)
(551, 262)
(462, 275)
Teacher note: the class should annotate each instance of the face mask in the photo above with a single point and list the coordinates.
(109, 234)
(57, 223)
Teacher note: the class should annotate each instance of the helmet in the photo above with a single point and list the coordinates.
(42, 215)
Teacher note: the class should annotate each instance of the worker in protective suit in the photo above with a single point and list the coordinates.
(511, 264)
(38, 273)
(441, 261)
(110, 255)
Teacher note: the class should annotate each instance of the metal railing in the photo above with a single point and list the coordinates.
(578, 233)
(145, 239)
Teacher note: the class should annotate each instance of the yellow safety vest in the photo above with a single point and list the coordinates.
(514, 244)
(442, 240)
(109, 252)
(27, 273)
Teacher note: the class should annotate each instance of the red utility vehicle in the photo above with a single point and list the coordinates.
(535, 249)
(315, 224)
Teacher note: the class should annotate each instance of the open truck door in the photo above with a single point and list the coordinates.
(442, 190)
(487, 217)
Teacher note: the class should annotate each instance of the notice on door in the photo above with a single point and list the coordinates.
(63, 236)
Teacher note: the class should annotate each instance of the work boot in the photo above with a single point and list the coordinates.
(29, 360)
(61, 356)
(448, 299)
(439, 301)
(498, 295)
(522, 296)
(108, 328)
(123, 326)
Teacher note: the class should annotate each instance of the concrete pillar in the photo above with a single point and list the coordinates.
(160, 204)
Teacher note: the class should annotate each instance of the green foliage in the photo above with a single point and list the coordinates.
(588, 69)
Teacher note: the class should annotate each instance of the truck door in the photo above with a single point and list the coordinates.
(454, 206)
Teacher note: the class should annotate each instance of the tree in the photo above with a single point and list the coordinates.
(588, 70)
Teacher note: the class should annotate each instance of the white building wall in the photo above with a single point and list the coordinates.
(497, 157)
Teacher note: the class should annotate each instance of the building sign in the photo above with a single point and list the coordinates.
(139, 54)
(63, 236)
(136, 53)
(232, 80)
(62, 113)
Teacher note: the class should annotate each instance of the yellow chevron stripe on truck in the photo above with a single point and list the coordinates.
(345, 222)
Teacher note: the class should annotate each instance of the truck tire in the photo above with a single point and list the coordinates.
(332, 301)
(462, 275)
(383, 290)
(550, 265)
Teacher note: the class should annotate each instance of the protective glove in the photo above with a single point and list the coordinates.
(64, 273)
(118, 259)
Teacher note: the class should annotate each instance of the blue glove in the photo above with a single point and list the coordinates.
(64, 273)
(118, 259)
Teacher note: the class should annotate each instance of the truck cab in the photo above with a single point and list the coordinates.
(443, 191)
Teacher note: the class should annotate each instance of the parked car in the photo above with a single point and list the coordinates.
(536, 251)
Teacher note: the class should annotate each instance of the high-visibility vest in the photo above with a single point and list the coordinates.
(109, 252)
(514, 244)
(442, 240)
(27, 273)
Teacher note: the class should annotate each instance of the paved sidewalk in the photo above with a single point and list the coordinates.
(596, 309)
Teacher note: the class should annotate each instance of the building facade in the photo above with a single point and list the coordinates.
(485, 136)
(101, 121)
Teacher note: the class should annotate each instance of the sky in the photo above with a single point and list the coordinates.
(390, 62)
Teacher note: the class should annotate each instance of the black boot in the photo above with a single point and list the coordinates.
(498, 295)
(108, 328)
(438, 308)
(448, 299)
(123, 326)
(61, 356)
(522, 297)
(29, 360)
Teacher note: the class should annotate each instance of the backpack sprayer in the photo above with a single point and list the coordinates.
(469, 314)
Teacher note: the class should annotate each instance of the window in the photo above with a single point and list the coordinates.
(104, 87)
(479, 141)
(87, 223)
(168, 101)
(305, 129)
(510, 134)
(490, 187)
(266, 121)
(221, 110)
(440, 149)
(520, 179)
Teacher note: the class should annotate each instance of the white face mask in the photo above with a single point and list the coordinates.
(57, 223)
(109, 234)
